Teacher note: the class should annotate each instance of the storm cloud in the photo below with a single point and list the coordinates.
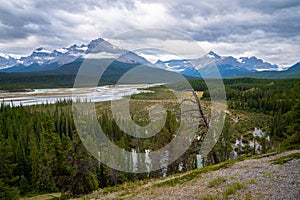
(266, 29)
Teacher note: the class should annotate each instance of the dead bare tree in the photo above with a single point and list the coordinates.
(205, 124)
(200, 109)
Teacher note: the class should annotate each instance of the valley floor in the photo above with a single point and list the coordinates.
(257, 178)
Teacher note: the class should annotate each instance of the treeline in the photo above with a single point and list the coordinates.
(40, 152)
(63, 76)
(21, 81)
(279, 98)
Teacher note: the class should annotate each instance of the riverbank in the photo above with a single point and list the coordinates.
(52, 95)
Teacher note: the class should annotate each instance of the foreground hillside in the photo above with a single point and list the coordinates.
(265, 177)
(43, 153)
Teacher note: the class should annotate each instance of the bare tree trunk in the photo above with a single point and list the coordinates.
(200, 109)
(216, 157)
(114, 176)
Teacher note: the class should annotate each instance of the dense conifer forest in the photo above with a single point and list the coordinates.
(41, 152)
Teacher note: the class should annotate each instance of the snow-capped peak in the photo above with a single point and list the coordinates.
(255, 64)
(95, 43)
(227, 65)
(41, 50)
(64, 55)
(212, 54)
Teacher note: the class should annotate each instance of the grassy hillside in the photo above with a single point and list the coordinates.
(245, 178)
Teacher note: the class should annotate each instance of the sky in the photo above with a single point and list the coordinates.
(267, 29)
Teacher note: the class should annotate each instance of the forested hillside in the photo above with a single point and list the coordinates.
(41, 152)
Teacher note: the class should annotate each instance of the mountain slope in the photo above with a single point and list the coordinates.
(7, 61)
(292, 72)
(42, 59)
(228, 66)
(65, 75)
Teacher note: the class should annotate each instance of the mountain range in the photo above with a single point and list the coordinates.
(228, 66)
(41, 59)
(63, 59)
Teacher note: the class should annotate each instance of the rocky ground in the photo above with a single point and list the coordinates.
(257, 178)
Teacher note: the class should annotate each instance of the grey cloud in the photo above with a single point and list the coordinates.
(84, 6)
(223, 20)
(270, 6)
(16, 21)
(55, 23)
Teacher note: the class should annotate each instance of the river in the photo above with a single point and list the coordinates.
(50, 96)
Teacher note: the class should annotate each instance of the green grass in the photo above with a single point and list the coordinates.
(160, 92)
(233, 188)
(43, 196)
(128, 189)
(194, 174)
(209, 197)
(124, 188)
(258, 156)
(251, 181)
(197, 172)
(286, 159)
(216, 182)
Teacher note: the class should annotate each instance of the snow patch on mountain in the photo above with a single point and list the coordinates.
(227, 65)
(62, 50)
(2, 55)
(98, 48)
(7, 61)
